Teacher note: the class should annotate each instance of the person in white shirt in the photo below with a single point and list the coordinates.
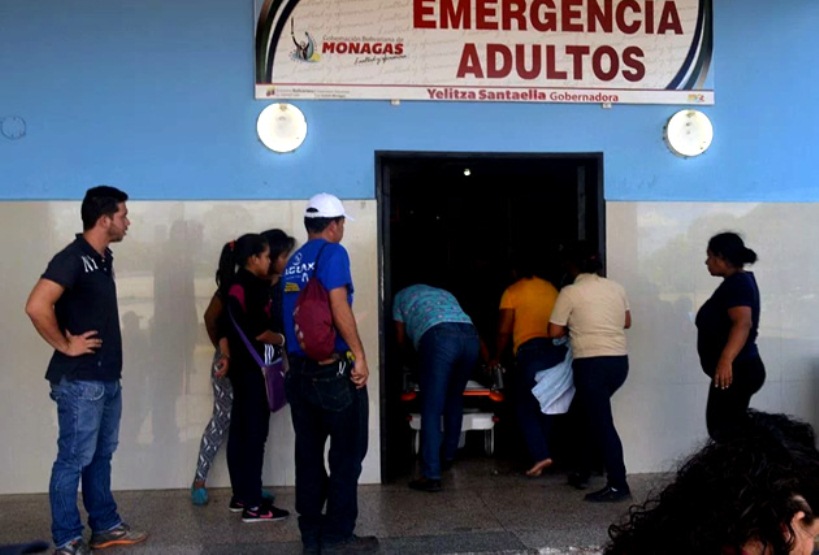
(594, 311)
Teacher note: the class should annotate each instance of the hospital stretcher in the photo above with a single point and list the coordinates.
(480, 401)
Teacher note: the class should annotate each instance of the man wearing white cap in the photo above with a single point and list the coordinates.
(328, 397)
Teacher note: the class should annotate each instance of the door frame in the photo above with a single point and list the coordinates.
(383, 190)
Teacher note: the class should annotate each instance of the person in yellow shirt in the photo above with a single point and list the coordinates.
(525, 308)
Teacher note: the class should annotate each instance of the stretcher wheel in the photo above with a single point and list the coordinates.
(416, 441)
(489, 441)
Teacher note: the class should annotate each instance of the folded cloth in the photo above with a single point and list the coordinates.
(554, 387)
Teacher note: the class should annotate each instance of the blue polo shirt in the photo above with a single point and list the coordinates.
(89, 302)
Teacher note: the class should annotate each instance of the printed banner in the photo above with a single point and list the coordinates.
(600, 51)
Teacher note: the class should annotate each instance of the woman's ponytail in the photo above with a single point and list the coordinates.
(749, 256)
(226, 270)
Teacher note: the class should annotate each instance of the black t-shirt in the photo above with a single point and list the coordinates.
(89, 302)
(714, 324)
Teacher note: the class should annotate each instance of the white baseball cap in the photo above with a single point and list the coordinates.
(325, 205)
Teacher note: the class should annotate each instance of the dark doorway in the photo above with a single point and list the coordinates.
(457, 220)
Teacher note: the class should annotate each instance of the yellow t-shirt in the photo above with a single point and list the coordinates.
(532, 300)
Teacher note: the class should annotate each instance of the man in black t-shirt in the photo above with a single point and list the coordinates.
(74, 308)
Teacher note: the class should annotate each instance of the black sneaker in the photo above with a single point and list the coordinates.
(236, 506)
(74, 547)
(265, 512)
(578, 480)
(609, 495)
(425, 484)
(121, 535)
(354, 544)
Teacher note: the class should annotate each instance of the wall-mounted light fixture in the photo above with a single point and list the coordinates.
(281, 127)
(688, 133)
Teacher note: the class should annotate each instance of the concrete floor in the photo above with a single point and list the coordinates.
(487, 506)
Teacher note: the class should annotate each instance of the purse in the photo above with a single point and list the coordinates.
(273, 372)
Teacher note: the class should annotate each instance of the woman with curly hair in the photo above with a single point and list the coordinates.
(750, 495)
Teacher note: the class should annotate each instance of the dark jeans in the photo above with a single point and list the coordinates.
(595, 380)
(447, 355)
(532, 357)
(728, 408)
(325, 404)
(249, 426)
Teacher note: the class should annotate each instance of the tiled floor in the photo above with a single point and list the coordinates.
(486, 507)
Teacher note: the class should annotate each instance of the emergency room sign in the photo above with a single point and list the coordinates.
(601, 51)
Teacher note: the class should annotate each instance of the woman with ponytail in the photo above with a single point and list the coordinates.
(727, 327)
(281, 245)
(249, 313)
(217, 427)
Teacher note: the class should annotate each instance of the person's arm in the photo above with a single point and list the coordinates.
(483, 351)
(741, 323)
(628, 320)
(506, 323)
(401, 334)
(559, 320)
(223, 364)
(40, 308)
(557, 331)
(274, 335)
(405, 348)
(271, 338)
(214, 324)
(212, 313)
(344, 320)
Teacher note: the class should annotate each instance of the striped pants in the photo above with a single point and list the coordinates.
(219, 424)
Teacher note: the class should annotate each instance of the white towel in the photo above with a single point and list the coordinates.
(554, 387)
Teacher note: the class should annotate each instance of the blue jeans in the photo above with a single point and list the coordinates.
(325, 404)
(88, 414)
(447, 355)
(596, 379)
(532, 357)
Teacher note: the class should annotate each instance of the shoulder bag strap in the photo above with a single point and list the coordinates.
(245, 340)
(318, 255)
